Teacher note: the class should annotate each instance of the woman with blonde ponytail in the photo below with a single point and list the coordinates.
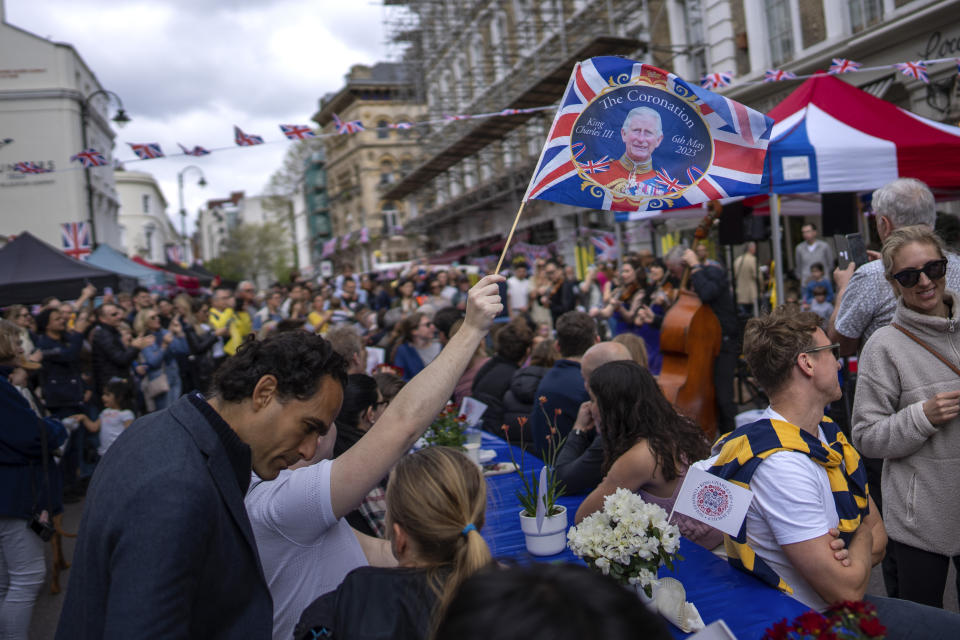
(435, 509)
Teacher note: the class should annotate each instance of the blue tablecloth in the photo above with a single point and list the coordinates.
(718, 590)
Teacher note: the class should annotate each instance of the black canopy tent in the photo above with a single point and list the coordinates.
(31, 270)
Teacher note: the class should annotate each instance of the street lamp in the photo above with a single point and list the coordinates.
(183, 212)
(120, 119)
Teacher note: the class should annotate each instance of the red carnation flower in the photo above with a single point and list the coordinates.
(811, 622)
(873, 628)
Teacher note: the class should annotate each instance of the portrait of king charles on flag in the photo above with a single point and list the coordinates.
(660, 146)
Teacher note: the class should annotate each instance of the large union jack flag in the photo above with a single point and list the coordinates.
(146, 150)
(89, 158)
(916, 70)
(30, 167)
(842, 65)
(351, 126)
(297, 131)
(75, 237)
(245, 139)
(196, 151)
(738, 135)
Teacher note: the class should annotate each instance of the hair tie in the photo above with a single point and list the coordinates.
(467, 529)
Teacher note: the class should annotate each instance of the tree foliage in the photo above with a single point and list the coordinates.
(258, 252)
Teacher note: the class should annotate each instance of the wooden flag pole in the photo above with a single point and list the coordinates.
(509, 238)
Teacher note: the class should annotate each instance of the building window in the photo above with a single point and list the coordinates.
(391, 221)
(864, 13)
(696, 42)
(780, 31)
(477, 63)
(145, 199)
(386, 172)
(382, 130)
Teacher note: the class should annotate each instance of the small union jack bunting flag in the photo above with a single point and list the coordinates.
(146, 150)
(75, 238)
(89, 158)
(352, 126)
(453, 118)
(916, 70)
(196, 151)
(400, 125)
(777, 75)
(30, 167)
(716, 80)
(297, 131)
(842, 65)
(245, 139)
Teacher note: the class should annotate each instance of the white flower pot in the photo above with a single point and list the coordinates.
(552, 537)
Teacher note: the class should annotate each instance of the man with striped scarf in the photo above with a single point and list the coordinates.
(812, 529)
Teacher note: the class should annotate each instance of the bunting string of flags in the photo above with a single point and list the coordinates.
(92, 157)
(916, 69)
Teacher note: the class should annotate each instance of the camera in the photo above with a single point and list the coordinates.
(43, 529)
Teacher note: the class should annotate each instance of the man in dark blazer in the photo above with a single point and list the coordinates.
(165, 548)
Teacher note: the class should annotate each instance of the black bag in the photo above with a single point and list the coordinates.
(63, 392)
(39, 525)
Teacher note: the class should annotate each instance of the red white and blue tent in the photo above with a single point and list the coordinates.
(830, 136)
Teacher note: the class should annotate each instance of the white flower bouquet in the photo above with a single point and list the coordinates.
(628, 540)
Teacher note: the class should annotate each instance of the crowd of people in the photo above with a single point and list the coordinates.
(248, 469)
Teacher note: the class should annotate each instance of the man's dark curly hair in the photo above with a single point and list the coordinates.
(298, 360)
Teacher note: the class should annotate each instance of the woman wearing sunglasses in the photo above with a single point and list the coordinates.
(906, 411)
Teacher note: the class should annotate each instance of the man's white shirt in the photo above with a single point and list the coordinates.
(792, 502)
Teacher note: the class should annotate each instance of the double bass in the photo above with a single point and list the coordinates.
(690, 339)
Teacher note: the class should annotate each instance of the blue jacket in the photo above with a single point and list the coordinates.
(23, 491)
(62, 379)
(409, 360)
(563, 388)
(157, 358)
(165, 547)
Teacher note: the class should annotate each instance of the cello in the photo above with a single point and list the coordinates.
(690, 339)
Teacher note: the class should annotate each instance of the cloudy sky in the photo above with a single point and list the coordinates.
(188, 70)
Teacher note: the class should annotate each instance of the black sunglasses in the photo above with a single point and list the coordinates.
(935, 269)
(835, 348)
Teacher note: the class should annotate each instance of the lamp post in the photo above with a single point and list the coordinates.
(120, 119)
(202, 182)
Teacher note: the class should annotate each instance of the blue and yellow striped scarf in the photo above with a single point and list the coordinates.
(742, 451)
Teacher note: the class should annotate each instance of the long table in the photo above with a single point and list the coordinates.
(747, 605)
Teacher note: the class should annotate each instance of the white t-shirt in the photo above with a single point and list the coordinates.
(112, 424)
(792, 502)
(305, 551)
(518, 292)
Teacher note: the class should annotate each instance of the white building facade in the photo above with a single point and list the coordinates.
(146, 230)
(43, 86)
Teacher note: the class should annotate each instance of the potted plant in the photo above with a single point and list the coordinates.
(448, 429)
(549, 537)
(628, 540)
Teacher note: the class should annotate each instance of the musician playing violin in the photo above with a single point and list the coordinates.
(710, 284)
(559, 295)
(627, 306)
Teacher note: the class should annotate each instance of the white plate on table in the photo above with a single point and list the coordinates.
(486, 455)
